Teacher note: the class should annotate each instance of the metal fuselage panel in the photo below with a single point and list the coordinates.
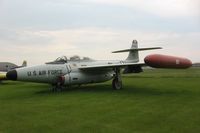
(43, 73)
(77, 76)
(50, 73)
(80, 77)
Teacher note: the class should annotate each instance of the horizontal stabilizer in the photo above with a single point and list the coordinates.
(136, 49)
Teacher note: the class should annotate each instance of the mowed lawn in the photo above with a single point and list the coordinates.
(156, 101)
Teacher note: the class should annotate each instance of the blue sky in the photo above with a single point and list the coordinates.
(40, 31)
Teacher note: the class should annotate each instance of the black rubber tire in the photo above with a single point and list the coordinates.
(117, 85)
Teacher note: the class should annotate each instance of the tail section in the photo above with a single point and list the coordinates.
(24, 64)
(134, 52)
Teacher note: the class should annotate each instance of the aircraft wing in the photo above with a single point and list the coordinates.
(107, 66)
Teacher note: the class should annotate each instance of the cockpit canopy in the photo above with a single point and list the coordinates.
(78, 58)
(61, 59)
(64, 59)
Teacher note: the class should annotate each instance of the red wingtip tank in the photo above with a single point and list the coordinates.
(166, 61)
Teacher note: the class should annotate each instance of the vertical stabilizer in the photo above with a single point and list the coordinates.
(133, 55)
(24, 64)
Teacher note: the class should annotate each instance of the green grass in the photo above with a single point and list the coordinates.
(156, 101)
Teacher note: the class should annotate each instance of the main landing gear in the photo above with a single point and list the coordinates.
(58, 86)
(117, 81)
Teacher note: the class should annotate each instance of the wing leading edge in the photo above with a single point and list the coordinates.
(107, 66)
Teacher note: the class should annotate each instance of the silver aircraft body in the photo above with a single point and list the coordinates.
(65, 72)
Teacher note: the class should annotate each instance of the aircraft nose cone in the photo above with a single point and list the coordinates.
(12, 75)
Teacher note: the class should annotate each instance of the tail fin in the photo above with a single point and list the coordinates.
(133, 55)
(24, 64)
(133, 52)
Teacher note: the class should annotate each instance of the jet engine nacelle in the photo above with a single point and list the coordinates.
(74, 78)
(165, 61)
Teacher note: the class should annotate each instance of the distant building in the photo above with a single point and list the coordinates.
(196, 65)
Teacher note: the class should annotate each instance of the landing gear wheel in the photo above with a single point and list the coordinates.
(117, 81)
(117, 84)
(57, 87)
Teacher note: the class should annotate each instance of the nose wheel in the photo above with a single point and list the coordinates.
(117, 81)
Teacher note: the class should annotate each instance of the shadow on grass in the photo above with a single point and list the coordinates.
(6, 82)
(159, 77)
(107, 89)
(83, 88)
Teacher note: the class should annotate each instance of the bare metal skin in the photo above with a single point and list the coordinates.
(76, 71)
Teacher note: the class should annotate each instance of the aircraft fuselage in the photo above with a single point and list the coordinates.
(77, 71)
(67, 73)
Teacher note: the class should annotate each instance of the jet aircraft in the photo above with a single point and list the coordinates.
(7, 66)
(65, 72)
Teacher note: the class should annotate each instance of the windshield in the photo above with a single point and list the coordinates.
(61, 59)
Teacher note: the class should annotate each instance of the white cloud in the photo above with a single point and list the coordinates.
(167, 8)
(171, 15)
(40, 31)
(96, 43)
